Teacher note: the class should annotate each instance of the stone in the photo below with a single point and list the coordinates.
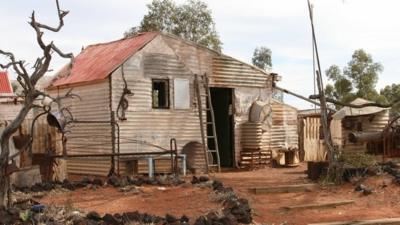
(195, 180)
(184, 219)
(98, 182)
(114, 181)
(170, 218)
(86, 180)
(109, 219)
(228, 219)
(132, 216)
(201, 221)
(203, 179)
(217, 185)
(93, 216)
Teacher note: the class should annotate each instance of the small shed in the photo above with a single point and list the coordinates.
(342, 123)
(311, 139)
(159, 70)
(358, 120)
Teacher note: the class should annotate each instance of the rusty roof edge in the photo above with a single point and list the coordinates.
(285, 104)
(50, 87)
(122, 39)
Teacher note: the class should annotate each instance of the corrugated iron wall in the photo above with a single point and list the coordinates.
(88, 138)
(8, 110)
(197, 59)
(229, 72)
(284, 126)
(155, 126)
(370, 123)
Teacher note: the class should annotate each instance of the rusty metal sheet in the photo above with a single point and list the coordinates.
(96, 62)
(5, 85)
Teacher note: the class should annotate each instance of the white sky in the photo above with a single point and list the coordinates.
(282, 25)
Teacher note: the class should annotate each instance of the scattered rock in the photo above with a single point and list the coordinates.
(98, 182)
(195, 180)
(110, 220)
(184, 219)
(217, 185)
(364, 189)
(93, 216)
(170, 218)
(203, 179)
(114, 181)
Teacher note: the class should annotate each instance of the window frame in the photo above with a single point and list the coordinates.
(168, 93)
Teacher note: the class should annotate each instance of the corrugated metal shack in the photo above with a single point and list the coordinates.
(159, 70)
(343, 122)
(367, 119)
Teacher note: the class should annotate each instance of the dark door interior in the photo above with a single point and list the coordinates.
(222, 104)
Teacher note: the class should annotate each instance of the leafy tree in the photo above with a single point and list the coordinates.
(357, 79)
(391, 93)
(191, 20)
(262, 58)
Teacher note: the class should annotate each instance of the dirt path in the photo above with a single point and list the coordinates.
(384, 202)
(177, 201)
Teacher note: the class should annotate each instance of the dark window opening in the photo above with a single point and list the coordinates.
(160, 93)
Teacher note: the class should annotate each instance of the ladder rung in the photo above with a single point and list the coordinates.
(212, 151)
(210, 136)
(209, 165)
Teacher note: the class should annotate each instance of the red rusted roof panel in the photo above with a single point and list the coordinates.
(98, 61)
(5, 85)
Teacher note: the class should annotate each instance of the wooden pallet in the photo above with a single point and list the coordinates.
(252, 158)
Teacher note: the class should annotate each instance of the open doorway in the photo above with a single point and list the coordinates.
(222, 104)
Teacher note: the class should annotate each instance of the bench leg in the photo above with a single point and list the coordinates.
(150, 164)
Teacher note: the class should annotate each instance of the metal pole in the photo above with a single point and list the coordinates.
(113, 140)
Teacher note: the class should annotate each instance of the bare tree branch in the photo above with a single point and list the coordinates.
(28, 83)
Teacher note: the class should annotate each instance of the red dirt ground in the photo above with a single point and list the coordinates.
(177, 201)
(383, 203)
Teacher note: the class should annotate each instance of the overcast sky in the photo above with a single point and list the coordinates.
(282, 25)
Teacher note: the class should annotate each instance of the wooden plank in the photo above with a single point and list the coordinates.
(284, 188)
(363, 222)
(318, 205)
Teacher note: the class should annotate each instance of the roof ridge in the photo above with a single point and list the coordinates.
(122, 39)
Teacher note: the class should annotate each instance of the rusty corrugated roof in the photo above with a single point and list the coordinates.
(97, 62)
(5, 85)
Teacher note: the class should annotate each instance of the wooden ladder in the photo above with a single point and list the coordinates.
(211, 155)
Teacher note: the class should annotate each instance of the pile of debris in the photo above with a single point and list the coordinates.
(393, 169)
(234, 210)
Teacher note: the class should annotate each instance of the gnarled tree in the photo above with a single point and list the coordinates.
(27, 78)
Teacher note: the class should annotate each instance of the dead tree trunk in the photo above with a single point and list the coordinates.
(28, 83)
